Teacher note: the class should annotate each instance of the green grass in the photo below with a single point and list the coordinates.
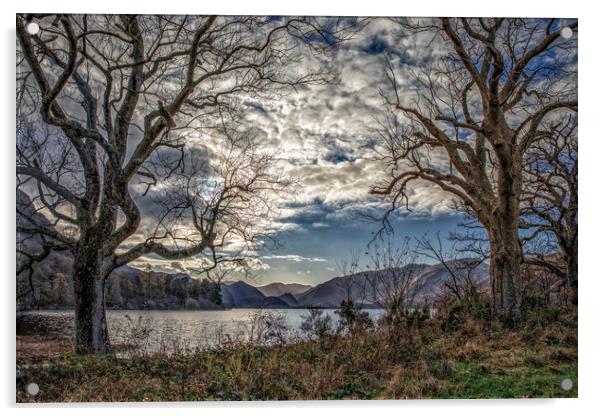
(477, 360)
(470, 382)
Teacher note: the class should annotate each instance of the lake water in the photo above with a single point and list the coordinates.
(184, 331)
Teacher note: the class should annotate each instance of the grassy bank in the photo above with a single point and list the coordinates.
(474, 360)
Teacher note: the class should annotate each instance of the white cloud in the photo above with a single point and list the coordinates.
(293, 258)
(323, 133)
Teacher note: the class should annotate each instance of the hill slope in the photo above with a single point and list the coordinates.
(131, 288)
(367, 287)
(279, 289)
(242, 295)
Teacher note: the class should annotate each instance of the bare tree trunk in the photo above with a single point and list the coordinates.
(572, 272)
(91, 334)
(84, 171)
(505, 271)
(483, 85)
(506, 249)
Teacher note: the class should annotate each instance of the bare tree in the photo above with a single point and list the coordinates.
(549, 203)
(352, 281)
(32, 249)
(316, 324)
(543, 284)
(107, 103)
(392, 276)
(470, 115)
(460, 268)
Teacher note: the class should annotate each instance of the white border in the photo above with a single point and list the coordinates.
(590, 24)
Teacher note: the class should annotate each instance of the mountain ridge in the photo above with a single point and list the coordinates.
(279, 289)
(132, 288)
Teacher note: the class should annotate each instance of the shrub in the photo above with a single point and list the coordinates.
(316, 324)
(134, 333)
(407, 333)
(454, 313)
(267, 327)
(536, 311)
(352, 318)
(191, 303)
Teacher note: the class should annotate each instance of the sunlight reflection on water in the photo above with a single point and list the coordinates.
(185, 331)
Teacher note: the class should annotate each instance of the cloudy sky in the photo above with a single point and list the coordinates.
(326, 138)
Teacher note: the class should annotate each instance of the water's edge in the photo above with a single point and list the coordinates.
(165, 331)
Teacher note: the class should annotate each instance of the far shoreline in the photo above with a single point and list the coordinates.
(56, 310)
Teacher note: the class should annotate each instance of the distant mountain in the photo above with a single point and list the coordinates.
(356, 286)
(243, 295)
(366, 288)
(50, 277)
(290, 300)
(279, 289)
(429, 283)
(240, 293)
(126, 287)
(131, 288)
(27, 217)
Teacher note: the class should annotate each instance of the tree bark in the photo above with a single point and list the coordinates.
(504, 241)
(572, 272)
(91, 334)
(505, 270)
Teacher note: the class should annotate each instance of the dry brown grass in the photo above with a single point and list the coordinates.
(41, 348)
(479, 359)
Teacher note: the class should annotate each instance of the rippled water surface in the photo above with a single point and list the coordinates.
(169, 331)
